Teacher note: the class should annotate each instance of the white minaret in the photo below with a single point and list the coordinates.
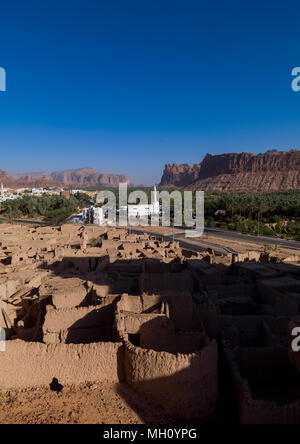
(155, 202)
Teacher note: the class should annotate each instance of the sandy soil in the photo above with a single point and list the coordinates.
(86, 404)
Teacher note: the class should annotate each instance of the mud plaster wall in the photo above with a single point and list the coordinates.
(130, 323)
(79, 325)
(186, 385)
(283, 304)
(262, 364)
(180, 305)
(207, 315)
(68, 298)
(156, 330)
(181, 310)
(154, 266)
(27, 364)
(259, 362)
(84, 317)
(165, 339)
(250, 330)
(155, 282)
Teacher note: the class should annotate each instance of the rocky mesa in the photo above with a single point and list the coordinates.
(86, 177)
(81, 177)
(271, 171)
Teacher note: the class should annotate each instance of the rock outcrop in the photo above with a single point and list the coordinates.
(180, 175)
(271, 171)
(82, 177)
(5, 179)
(88, 177)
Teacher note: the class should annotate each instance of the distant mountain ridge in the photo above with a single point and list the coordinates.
(271, 171)
(81, 177)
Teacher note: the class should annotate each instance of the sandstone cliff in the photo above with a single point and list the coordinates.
(86, 177)
(82, 177)
(6, 180)
(271, 171)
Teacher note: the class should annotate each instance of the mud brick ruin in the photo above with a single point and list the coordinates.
(204, 336)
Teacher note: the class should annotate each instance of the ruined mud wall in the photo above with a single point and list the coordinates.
(155, 282)
(182, 342)
(284, 302)
(264, 363)
(251, 330)
(185, 385)
(36, 364)
(79, 325)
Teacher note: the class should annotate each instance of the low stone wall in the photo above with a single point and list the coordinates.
(28, 364)
(185, 385)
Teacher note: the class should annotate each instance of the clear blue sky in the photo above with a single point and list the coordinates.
(126, 86)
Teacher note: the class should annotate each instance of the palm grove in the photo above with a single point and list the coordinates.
(265, 213)
(52, 209)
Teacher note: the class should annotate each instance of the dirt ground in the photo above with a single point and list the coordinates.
(85, 404)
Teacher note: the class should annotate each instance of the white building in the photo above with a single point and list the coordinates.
(93, 215)
(144, 210)
(97, 216)
(76, 191)
(4, 190)
(7, 194)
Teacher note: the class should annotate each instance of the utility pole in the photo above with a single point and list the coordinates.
(258, 224)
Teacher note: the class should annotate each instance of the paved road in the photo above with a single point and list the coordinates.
(23, 221)
(255, 239)
(200, 244)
